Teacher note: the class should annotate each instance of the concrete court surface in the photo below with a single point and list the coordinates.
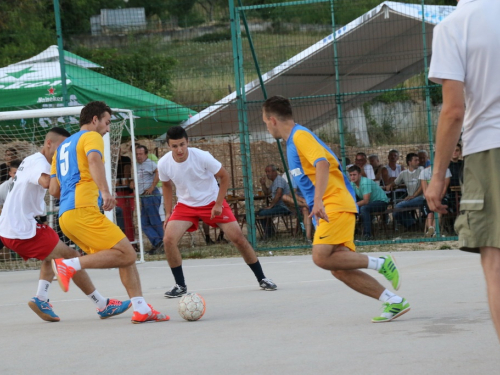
(312, 325)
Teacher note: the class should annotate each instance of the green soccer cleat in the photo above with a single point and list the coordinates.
(392, 311)
(390, 270)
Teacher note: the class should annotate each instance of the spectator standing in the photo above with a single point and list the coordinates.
(147, 179)
(7, 185)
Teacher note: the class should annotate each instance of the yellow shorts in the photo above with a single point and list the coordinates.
(338, 231)
(90, 229)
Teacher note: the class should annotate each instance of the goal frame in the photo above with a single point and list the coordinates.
(75, 111)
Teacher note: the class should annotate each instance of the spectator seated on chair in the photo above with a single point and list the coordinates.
(362, 162)
(425, 179)
(370, 198)
(304, 208)
(415, 199)
(276, 207)
(380, 170)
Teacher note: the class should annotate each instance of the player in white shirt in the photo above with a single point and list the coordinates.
(199, 198)
(20, 232)
(466, 60)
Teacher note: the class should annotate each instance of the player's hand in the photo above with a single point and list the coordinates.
(433, 195)
(318, 212)
(108, 201)
(216, 210)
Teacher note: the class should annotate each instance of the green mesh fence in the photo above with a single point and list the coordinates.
(355, 72)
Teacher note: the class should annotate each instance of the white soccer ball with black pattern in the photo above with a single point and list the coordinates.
(191, 306)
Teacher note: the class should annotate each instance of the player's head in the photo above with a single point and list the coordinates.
(457, 152)
(393, 156)
(10, 154)
(412, 160)
(275, 110)
(423, 156)
(14, 164)
(271, 172)
(354, 173)
(97, 116)
(177, 140)
(141, 153)
(53, 139)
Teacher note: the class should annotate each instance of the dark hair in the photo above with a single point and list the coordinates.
(410, 156)
(12, 149)
(143, 147)
(459, 146)
(15, 163)
(176, 132)
(60, 131)
(347, 161)
(393, 150)
(278, 106)
(93, 109)
(354, 168)
(361, 153)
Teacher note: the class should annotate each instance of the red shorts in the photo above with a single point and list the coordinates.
(183, 212)
(38, 247)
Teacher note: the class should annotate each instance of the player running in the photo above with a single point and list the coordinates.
(20, 232)
(318, 174)
(199, 198)
(79, 179)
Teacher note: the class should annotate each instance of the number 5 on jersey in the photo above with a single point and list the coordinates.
(64, 159)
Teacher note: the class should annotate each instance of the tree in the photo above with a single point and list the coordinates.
(26, 28)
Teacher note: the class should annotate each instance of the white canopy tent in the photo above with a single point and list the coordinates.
(380, 49)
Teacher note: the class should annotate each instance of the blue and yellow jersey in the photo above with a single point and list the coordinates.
(71, 167)
(304, 150)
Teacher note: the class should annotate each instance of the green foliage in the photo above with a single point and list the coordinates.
(379, 134)
(349, 138)
(214, 37)
(393, 96)
(26, 28)
(142, 68)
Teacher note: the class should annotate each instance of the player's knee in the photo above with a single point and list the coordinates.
(320, 260)
(129, 257)
(169, 241)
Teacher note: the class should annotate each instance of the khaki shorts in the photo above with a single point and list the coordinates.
(479, 222)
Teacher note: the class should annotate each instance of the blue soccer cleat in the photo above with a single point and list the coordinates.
(114, 308)
(43, 309)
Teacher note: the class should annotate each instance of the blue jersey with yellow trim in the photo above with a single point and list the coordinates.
(71, 167)
(304, 150)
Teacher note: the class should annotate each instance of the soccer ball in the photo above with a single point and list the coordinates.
(191, 306)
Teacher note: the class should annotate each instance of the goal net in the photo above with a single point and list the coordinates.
(22, 133)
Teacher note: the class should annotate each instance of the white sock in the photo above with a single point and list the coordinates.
(139, 304)
(388, 296)
(73, 262)
(43, 290)
(96, 297)
(375, 263)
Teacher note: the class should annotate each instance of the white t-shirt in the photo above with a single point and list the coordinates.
(392, 172)
(466, 48)
(410, 179)
(194, 178)
(426, 174)
(25, 200)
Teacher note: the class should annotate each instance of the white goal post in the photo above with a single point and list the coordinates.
(75, 111)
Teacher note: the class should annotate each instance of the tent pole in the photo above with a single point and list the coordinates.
(61, 52)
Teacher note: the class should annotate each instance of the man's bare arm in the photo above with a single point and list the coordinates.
(98, 173)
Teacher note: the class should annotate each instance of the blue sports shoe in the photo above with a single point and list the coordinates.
(113, 308)
(43, 309)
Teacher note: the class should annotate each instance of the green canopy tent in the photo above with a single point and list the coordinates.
(36, 83)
